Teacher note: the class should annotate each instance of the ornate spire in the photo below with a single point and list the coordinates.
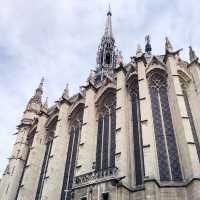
(148, 48)
(168, 45)
(108, 28)
(36, 99)
(192, 54)
(106, 55)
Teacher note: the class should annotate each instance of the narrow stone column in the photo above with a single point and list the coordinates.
(148, 136)
(56, 167)
(33, 167)
(185, 140)
(87, 147)
(123, 157)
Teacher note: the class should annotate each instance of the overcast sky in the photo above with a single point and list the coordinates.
(59, 39)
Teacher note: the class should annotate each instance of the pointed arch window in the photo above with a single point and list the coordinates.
(167, 152)
(105, 150)
(49, 142)
(191, 119)
(108, 58)
(74, 135)
(137, 134)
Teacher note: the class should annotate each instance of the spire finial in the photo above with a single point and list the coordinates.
(109, 10)
(139, 50)
(192, 54)
(36, 98)
(66, 92)
(148, 48)
(168, 45)
(41, 83)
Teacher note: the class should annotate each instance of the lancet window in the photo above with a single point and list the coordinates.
(105, 150)
(49, 142)
(74, 135)
(167, 152)
(137, 134)
(184, 86)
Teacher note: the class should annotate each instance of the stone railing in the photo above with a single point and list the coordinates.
(92, 176)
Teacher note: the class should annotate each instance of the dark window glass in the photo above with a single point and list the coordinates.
(108, 58)
(168, 160)
(105, 196)
(137, 136)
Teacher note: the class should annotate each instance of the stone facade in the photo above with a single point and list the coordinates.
(131, 133)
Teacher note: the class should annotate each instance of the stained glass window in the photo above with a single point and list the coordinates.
(70, 165)
(167, 152)
(105, 150)
(137, 136)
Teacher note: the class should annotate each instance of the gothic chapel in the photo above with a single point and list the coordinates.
(131, 133)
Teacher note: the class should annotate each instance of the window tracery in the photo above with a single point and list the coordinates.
(167, 152)
(137, 134)
(74, 135)
(105, 150)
